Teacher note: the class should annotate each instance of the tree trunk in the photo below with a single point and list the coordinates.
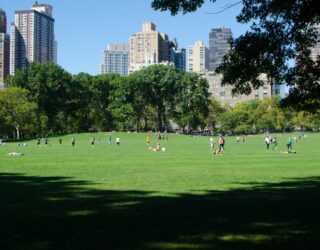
(145, 123)
(159, 119)
(138, 123)
(18, 131)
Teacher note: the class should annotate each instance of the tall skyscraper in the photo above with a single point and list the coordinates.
(4, 48)
(115, 59)
(177, 55)
(218, 46)
(32, 37)
(3, 21)
(197, 58)
(148, 47)
(180, 59)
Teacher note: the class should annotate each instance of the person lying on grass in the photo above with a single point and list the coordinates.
(288, 152)
(217, 152)
(157, 148)
(15, 154)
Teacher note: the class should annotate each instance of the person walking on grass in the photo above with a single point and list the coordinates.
(274, 144)
(73, 141)
(118, 141)
(221, 143)
(45, 139)
(92, 141)
(109, 139)
(38, 142)
(238, 139)
(147, 140)
(212, 143)
(289, 144)
(267, 141)
(243, 137)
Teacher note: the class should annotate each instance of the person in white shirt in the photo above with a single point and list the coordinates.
(118, 141)
(267, 141)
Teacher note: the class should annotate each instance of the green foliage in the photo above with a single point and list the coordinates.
(193, 102)
(254, 116)
(16, 111)
(281, 30)
(49, 87)
(214, 112)
(161, 85)
(176, 6)
(151, 98)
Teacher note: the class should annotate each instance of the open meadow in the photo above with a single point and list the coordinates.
(125, 197)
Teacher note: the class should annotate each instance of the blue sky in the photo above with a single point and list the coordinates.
(83, 28)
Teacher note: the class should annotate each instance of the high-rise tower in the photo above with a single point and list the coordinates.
(197, 58)
(4, 48)
(115, 59)
(3, 21)
(32, 37)
(148, 47)
(218, 46)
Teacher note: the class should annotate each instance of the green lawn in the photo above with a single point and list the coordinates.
(109, 197)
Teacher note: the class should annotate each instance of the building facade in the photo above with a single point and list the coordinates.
(197, 58)
(219, 46)
(3, 21)
(148, 47)
(315, 50)
(4, 49)
(180, 59)
(223, 94)
(32, 37)
(177, 55)
(115, 59)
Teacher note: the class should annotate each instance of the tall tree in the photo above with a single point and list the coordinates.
(100, 89)
(48, 86)
(281, 30)
(193, 103)
(79, 120)
(15, 109)
(161, 84)
(214, 113)
(268, 115)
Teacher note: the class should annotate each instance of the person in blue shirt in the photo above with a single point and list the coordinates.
(289, 144)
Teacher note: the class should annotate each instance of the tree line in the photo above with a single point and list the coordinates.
(45, 99)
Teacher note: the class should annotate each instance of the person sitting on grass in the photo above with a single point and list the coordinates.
(15, 154)
(217, 152)
(274, 144)
(158, 147)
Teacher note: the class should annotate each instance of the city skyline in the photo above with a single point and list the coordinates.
(32, 37)
(85, 57)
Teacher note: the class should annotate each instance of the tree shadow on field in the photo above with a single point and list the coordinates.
(60, 213)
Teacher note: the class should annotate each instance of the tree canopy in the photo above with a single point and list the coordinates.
(281, 31)
(15, 110)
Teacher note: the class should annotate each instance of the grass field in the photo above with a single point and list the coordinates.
(109, 197)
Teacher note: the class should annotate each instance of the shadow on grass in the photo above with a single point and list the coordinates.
(59, 213)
